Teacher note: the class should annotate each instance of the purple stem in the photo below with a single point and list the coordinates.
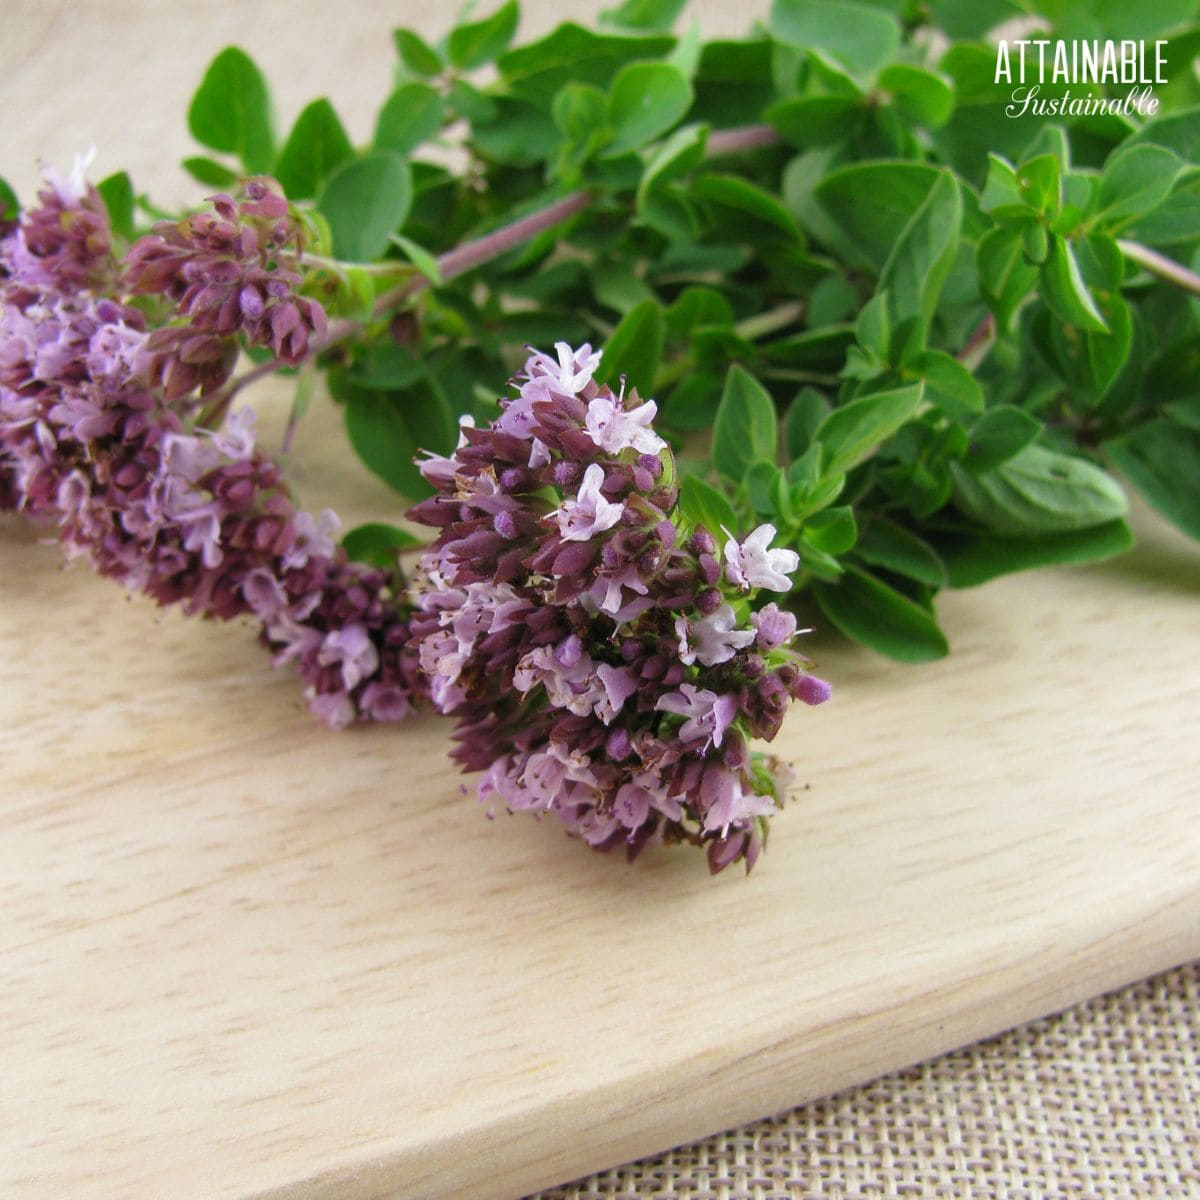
(475, 253)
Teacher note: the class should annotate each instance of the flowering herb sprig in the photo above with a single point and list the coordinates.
(94, 437)
(921, 334)
(924, 334)
(605, 658)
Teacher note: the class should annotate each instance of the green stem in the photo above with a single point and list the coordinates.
(1160, 265)
(336, 264)
(770, 321)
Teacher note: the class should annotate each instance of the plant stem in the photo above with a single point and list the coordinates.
(744, 137)
(770, 321)
(473, 254)
(336, 264)
(978, 344)
(1160, 265)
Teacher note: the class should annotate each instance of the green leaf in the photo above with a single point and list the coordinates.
(832, 531)
(468, 101)
(678, 154)
(819, 349)
(520, 135)
(764, 485)
(117, 193)
(924, 253)
(744, 431)
(1039, 184)
(420, 258)
(616, 287)
(850, 433)
(10, 206)
(1176, 219)
(860, 37)
(1161, 460)
(703, 504)
(803, 419)
(697, 306)
(693, 404)
(1178, 131)
(653, 16)
(645, 100)
(1039, 491)
(831, 301)
(869, 611)
(355, 293)
(1005, 275)
(365, 201)
(919, 97)
(388, 428)
(538, 69)
(209, 172)
(1136, 180)
(976, 559)
(316, 146)
(411, 115)
(815, 120)
(885, 544)
(873, 327)
(385, 367)
(479, 42)
(1064, 291)
(380, 436)
(1001, 196)
(949, 384)
(747, 198)
(999, 434)
(634, 348)
(580, 110)
(686, 55)
(231, 110)
(1091, 361)
(377, 544)
(873, 202)
(416, 54)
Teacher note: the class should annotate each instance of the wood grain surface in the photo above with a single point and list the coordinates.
(242, 956)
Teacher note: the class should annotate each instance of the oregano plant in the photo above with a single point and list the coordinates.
(908, 290)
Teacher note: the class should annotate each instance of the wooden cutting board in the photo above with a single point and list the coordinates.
(242, 956)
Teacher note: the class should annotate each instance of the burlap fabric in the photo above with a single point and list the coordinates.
(1099, 1103)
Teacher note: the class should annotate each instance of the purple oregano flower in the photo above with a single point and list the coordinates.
(92, 437)
(599, 660)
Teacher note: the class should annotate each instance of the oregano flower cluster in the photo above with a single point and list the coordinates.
(604, 659)
(93, 437)
(234, 271)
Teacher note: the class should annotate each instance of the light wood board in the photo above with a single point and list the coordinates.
(242, 956)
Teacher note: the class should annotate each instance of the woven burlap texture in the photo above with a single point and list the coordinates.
(1099, 1103)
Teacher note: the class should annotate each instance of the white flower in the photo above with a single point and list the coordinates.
(314, 537)
(351, 649)
(235, 438)
(728, 802)
(708, 715)
(614, 429)
(752, 564)
(713, 638)
(589, 513)
(72, 189)
(573, 371)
